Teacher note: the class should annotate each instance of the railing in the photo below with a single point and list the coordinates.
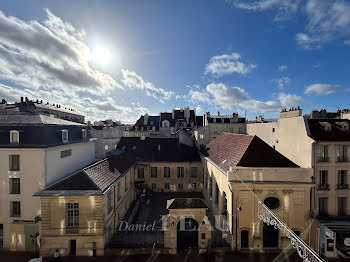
(342, 186)
(72, 230)
(342, 159)
(323, 186)
(323, 159)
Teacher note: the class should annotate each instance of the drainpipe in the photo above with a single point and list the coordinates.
(229, 186)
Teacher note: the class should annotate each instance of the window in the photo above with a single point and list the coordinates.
(109, 201)
(210, 187)
(64, 135)
(323, 206)
(203, 236)
(1, 236)
(15, 208)
(134, 148)
(225, 205)
(194, 186)
(180, 172)
(167, 186)
(106, 147)
(83, 133)
(342, 178)
(15, 186)
(14, 136)
(73, 215)
(193, 171)
(244, 238)
(201, 136)
(119, 191)
(180, 186)
(323, 179)
(322, 153)
(273, 130)
(217, 194)
(166, 172)
(66, 153)
(154, 186)
(272, 202)
(140, 172)
(153, 172)
(14, 163)
(342, 206)
(342, 153)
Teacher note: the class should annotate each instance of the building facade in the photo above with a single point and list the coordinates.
(322, 144)
(35, 151)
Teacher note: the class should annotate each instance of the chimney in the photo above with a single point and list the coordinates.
(21, 99)
(27, 99)
(218, 113)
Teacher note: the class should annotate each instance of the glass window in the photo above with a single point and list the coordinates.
(180, 186)
(210, 187)
(217, 194)
(73, 215)
(15, 208)
(14, 136)
(194, 186)
(167, 186)
(244, 238)
(180, 172)
(140, 172)
(65, 135)
(322, 153)
(166, 172)
(15, 186)
(109, 201)
(323, 206)
(342, 177)
(83, 133)
(154, 186)
(323, 177)
(153, 172)
(1, 236)
(193, 171)
(342, 206)
(14, 163)
(342, 153)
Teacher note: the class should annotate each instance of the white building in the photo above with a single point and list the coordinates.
(35, 151)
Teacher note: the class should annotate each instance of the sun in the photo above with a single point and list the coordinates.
(101, 55)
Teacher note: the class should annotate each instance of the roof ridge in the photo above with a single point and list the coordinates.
(94, 164)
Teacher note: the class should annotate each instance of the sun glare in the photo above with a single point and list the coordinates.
(101, 55)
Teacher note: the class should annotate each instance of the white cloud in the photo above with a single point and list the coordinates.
(227, 64)
(132, 80)
(347, 42)
(236, 98)
(283, 68)
(323, 89)
(282, 82)
(285, 7)
(199, 96)
(108, 105)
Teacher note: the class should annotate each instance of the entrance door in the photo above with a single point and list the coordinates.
(270, 236)
(73, 247)
(187, 234)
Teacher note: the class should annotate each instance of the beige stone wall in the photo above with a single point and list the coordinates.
(174, 181)
(290, 185)
(97, 222)
(288, 136)
(174, 217)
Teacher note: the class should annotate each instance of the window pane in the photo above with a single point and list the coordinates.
(15, 186)
(14, 162)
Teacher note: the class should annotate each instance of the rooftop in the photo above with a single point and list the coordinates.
(329, 129)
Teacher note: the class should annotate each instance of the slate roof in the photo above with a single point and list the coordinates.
(185, 203)
(151, 119)
(318, 133)
(157, 149)
(167, 116)
(97, 178)
(39, 131)
(230, 150)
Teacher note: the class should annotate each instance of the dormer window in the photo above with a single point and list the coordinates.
(326, 126)
(14, 137)
(83, 133)
(64, 135)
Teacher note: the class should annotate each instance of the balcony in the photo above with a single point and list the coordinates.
(323, 187)
(342, 159)
(72, 230)
(323, 159)
(343, 186)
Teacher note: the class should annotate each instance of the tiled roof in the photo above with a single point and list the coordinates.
(230, 150)
(318, 132)
(152, 121)
(185, 203)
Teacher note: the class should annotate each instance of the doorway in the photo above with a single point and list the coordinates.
(187, 234)
(270, 236)
(73, 247)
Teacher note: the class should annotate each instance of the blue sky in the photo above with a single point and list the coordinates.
(254, 57)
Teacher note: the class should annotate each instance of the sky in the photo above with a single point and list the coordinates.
(120, 59)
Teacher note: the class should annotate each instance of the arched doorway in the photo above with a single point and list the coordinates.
(270, 236)
(187, 234)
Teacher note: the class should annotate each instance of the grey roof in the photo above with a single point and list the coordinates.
(185, 203)
(33, 119)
